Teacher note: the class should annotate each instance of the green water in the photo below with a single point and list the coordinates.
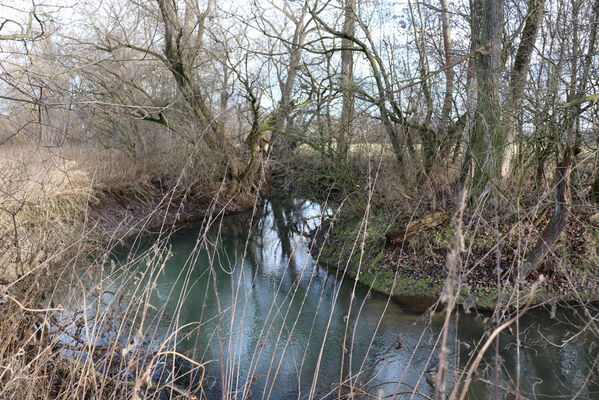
(288, 328)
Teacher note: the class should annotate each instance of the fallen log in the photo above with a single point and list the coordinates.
(414, 228)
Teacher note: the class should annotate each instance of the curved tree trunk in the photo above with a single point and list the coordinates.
(182, 40)
(559, 220)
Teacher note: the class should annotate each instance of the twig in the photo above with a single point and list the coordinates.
(24, 308)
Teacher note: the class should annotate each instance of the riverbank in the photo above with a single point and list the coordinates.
(67, 203)
(68, 212)
(60, 204)
(61, 208)
(413, 271)
(368, 231)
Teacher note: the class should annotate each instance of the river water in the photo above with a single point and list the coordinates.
(269, 322)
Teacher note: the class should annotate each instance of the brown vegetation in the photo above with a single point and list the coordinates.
(125, 118)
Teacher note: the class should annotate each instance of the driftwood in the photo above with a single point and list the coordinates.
(559, 219)
(414, 228)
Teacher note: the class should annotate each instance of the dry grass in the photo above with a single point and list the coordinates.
(46, 195)
(43, 199)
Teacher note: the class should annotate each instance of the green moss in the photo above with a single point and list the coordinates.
(378, 273)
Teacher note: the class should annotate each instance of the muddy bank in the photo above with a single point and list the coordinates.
(121, 215)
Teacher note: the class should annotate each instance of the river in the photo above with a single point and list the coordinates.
(268, 322)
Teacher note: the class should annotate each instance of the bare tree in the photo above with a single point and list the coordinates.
(486, 139)
(534, 19)
(183, 36)
(347, 78)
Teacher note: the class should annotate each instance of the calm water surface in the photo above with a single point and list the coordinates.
(287, 325)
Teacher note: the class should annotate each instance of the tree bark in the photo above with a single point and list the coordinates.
(347, 80)
(559, 220)
(534, 19)
(487, 140)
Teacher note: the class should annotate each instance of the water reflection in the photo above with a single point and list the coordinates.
(287, 328)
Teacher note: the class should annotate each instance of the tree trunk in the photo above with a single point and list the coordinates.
(429, 137)
(487, 140)
(447, 99)
(581, 82)
(558, 222)
(534, 19)
(347, 80)
(476, 12)
(182, 41)
(283, 115)
(595, 188)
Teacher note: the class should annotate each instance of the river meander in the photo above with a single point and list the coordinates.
(269, 322)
